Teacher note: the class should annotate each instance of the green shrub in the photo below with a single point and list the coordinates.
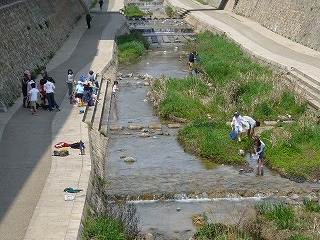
(169, 11)
(103, 228)
(281, 214)
(131, 47)
(132, 10)
(311, 206)
(219, 231)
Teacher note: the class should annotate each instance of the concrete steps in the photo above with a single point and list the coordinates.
(306, 86)
(182, 12)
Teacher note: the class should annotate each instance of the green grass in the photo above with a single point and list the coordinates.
(211, 140)
(131, 47)
(169, 11)
(233, 82)
(295, 147)
(133, 10)
(219, 231)
(103, 228)
(281, 214)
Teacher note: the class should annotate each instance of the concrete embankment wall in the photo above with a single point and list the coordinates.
(296, 20)
(31, 32)
(95, 198)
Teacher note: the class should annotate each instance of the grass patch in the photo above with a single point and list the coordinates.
(268, 221)
(232, 82)
(118, 221)
(294, 147)
(211, 140)
(281, 214)
(132, 10)
(169, 11)
(103, 227)
(131, 47)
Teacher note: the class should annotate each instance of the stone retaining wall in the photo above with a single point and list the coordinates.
(294, 19)
(31, 32)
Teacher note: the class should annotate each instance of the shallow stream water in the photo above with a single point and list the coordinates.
(167, 184)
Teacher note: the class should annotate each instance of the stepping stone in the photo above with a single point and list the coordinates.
(174, 125)
(155, 126)
(135, 127)
(116, 127)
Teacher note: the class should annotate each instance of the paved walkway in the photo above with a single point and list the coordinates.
(32, 204)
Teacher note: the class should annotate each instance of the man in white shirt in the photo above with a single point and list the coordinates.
(49, 88)
(33, 97)
(250, 124)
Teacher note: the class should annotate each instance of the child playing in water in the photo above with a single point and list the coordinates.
(114, 90)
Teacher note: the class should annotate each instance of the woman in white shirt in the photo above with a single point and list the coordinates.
(236, 124)
(70, 82)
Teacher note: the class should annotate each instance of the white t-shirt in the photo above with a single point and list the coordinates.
(237, 121)
(49, 87)
(34, 94)
(70, 78)
(250, 120)
(114, 89)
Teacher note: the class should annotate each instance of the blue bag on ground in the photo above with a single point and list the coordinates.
(233, 135)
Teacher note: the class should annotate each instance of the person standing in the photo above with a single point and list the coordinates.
(114, 90)
(250, 124)
(44, 73)
(88, 19)
(236, 124)
(259, 148)
(101, 3)
(70, 83)
(24, 87)
(94, 82)
(192, 57)
(49, 88)
(33, 96)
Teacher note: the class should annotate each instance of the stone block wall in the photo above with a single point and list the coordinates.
(31, 32)
(294, 19)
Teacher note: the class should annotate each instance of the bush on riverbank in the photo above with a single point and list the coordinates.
(131, 47)
(233, 82)
(132, 10)
(295, 147)
(271, 221)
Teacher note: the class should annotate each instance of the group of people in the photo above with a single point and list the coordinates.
(31, 92)
(86, 90)
(237, 124)
(83, 91)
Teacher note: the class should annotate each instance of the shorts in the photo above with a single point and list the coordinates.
(238, 129)
(33, 104)
(79, 95)
(261, 155)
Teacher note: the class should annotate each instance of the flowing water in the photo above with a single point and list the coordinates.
(168, 185)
